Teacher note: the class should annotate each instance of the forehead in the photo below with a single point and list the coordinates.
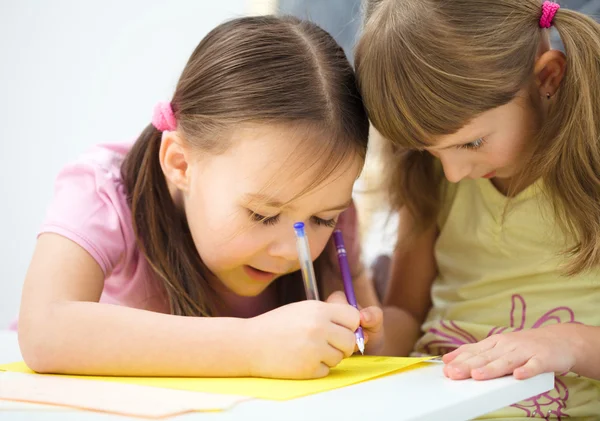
(284, 162)
(514, 114)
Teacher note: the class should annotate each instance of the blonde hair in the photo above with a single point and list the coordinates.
(428, 67)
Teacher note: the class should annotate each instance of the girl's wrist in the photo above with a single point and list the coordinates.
(578, 336)
(249, 341)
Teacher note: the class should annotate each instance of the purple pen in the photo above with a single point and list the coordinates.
(348, 287)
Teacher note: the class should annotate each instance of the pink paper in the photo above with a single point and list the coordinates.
(117, 398)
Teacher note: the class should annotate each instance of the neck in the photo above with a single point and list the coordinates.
(503, 185)
(233, 305)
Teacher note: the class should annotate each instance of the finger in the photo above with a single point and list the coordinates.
(449, 357)
(332, 356)
(505, 364)
(466, 351)
(463, 366)
(468, 362)
(532, 367)
(321, 371)
(338, 297)
(341, 339)
(371, 318)
(344, 315)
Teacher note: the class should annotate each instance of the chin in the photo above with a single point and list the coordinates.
(250, 291)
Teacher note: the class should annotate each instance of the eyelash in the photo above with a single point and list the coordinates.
(473, 145)
(272, 220)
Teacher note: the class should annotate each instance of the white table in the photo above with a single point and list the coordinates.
(423, 394)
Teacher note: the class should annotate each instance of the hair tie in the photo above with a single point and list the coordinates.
(163, 118)
(549, 9)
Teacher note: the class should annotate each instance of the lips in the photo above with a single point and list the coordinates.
(259, 275)
(490, 175)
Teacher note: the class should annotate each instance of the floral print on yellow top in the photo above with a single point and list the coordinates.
(499, 270)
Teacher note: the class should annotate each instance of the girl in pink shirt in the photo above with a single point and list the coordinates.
(176, 255)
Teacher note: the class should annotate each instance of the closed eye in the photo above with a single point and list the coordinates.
(473, 145)
(265, 220)
(330, 223)
(272, 220)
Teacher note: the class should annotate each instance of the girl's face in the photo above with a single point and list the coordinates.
(495, 144)
(241, 205)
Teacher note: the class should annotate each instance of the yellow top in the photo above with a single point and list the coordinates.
(499, 270)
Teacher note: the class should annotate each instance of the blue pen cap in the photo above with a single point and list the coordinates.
(299, 227)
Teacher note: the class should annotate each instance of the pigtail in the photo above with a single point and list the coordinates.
(162, 231)
(570, 162)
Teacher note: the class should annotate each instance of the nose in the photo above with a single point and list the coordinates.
(454, 169)
(283, 246)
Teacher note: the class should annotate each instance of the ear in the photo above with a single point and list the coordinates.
(549, 72)
(174, 160)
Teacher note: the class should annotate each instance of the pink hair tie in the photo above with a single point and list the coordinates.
(163, 118)
(549, 9)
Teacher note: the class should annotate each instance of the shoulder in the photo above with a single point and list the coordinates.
(90, 205)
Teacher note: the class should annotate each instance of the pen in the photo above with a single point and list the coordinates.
(306, 265)
(348, 287)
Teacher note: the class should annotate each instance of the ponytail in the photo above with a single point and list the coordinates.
(162, 231)
(568, 149)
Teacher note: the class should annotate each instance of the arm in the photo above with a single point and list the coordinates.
(63, 329)
(587, 359)
(408, 300)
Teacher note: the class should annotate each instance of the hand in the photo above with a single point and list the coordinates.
(371, 320)
(302, 340)
(525, 354)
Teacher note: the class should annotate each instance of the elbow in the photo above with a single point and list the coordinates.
(36, 341)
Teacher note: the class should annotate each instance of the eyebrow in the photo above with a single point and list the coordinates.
(272, 203)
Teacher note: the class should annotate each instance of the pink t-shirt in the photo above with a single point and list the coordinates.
(90, 208)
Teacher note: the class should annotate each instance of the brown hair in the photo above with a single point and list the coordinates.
(426, 68)
(252, 70)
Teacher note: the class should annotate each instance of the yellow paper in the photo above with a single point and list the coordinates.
(350, 371)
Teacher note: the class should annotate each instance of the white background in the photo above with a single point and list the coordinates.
(74, 73)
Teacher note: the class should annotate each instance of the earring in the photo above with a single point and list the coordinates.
(548, 96)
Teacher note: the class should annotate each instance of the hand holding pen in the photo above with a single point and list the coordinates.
(372, 316)
(348, 287)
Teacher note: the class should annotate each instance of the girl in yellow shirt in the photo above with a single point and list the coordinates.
(498, 266)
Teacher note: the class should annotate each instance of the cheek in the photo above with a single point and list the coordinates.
(219, 229)
(228, 250)
(318, 240)
(502, 155)
(519, 135)
(509, 150)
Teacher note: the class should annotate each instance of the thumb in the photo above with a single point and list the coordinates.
(372, 318)
(338, 297)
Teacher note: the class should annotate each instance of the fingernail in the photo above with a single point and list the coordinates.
(480, 371)
(456, 369)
